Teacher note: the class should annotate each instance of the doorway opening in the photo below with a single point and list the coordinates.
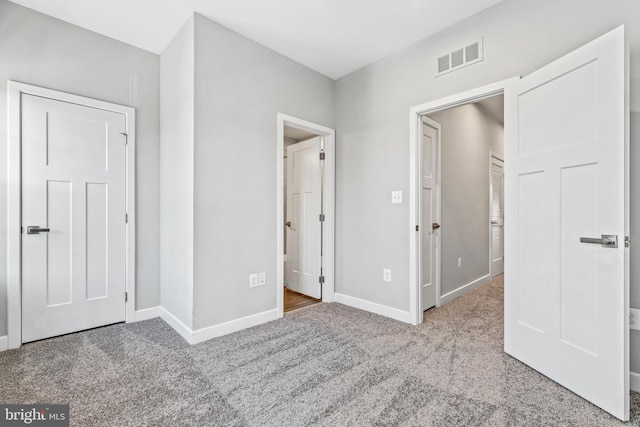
(305, 229)
(461, 199)
(71, 168)
(303, 169)
(460, 121)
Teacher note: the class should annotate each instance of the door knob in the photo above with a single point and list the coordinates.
(36, 229)
(435, 226)
(288, 224)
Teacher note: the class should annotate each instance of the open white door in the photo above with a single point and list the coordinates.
(430, 235)
(566, 301)
(304, 206)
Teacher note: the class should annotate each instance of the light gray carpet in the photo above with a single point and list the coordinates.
(327, 365)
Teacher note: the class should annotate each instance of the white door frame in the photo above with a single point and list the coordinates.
(435, 275)
(14, 196)
(415, 201)
(329, 185)
(492, 156)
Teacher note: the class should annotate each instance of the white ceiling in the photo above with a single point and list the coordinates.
(333, 37)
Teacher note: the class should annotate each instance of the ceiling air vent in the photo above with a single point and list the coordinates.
(459, 58)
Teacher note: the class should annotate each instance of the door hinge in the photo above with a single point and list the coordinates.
(126, 218)
(321, 279)
(417, 228)
(321, 217)
(322, 155)
(126, 138)
(627, 241)
(126, 296)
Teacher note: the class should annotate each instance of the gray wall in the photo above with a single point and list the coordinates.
(372, 117)
(240, 88)
(468, 134)
(44, 51)
(176, 174)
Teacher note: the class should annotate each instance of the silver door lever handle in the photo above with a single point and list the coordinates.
(36, 229)
(606, 240)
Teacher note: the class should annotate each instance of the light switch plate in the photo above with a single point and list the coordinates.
(262, 279)
(396, 197)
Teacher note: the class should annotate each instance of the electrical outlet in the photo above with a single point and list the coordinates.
(634, 319)
(262, 279)
(459, 262)
(386, 275)
(396, 197)
(253, 280)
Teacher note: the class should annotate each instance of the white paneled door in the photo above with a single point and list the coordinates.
(496, 187)
(73, 217)
(430, 215)
(304, 206)
(566, 275)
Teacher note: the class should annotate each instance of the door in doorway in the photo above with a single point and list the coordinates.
(567, 192)
(304, 207)
(430, 215)
(73, 217)
(496, 189)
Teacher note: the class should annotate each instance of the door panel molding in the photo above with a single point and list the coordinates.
(15, 91)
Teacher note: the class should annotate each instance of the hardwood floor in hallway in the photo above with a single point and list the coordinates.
(294, 300)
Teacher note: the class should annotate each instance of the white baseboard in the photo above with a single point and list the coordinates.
(634, 381)
(372, 307)
(214, 331)
(4, 343)
(176, 324)
(204, 334)
(146, 314)
(464, 289)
